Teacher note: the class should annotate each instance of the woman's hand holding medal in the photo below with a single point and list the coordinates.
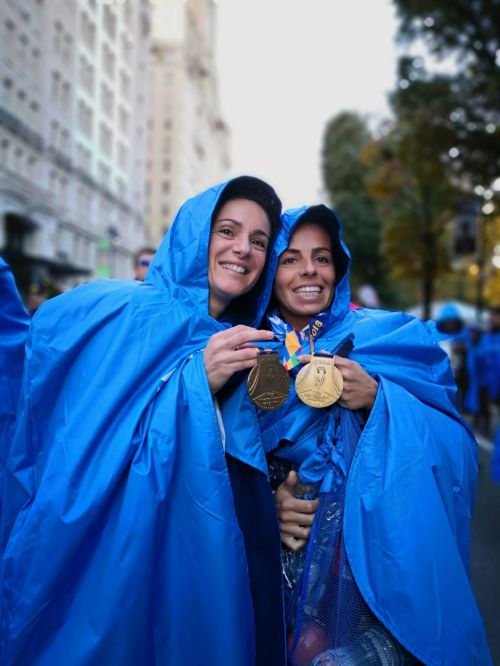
(360, 390)
(229, 351)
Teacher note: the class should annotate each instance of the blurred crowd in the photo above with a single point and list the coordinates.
(474, 352)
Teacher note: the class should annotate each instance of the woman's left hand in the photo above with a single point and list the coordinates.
(360, 390)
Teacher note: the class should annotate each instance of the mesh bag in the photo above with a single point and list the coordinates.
(328, 622)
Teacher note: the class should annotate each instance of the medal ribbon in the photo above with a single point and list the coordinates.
(292, 340)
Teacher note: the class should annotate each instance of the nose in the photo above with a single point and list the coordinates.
(241, 245)
(308, 267)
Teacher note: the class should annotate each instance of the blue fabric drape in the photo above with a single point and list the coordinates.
(14, 324)
(410, 489)
(120, 539)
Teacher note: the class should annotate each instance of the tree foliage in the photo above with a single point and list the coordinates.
(344, 174)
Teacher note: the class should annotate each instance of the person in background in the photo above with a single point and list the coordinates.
(41, 289)
(383, 579)
(454, 337)
(125, 535)
(142, 262)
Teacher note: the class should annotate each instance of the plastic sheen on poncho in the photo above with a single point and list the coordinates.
(410, 488)
(121, 543)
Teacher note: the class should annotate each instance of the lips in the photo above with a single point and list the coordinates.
(235, 268)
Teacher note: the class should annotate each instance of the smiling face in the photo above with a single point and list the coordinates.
(305, 280)
(237, 253)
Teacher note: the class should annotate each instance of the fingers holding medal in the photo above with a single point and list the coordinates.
(229, 351)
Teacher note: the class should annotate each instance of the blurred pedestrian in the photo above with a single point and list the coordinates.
(41, 289)
(455, 339)
(383, 578)
(123, 533)
(142, 262)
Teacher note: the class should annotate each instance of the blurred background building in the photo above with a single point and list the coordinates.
(85, 93)
(73, 114)
(188, 140)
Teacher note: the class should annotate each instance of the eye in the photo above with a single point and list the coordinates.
(225, 231)
(288, 261)
(259, 243)
(322, 259)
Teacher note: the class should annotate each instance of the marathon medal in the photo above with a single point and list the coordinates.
(268, 382)
(319, 383)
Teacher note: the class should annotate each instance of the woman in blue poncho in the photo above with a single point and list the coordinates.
(384, 578)
(125, 533)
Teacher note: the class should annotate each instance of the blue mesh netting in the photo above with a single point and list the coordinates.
(328, 622)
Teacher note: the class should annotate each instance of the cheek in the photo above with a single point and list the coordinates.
(279, 288)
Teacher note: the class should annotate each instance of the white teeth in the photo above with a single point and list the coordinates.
(307, 290)
(234, 267)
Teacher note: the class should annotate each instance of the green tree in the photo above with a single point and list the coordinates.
(344, 173)
(465, 104)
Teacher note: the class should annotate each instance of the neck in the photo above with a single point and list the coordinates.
(296, 321)
(216, 307)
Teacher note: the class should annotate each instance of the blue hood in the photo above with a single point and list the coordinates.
(119, 535)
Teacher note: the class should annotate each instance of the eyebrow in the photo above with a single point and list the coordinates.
(259, 232)
(322, 248)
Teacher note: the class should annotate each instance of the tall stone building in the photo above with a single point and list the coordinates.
(188, 140)
(73, 136)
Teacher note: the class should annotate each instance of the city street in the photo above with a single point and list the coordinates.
(485, 568)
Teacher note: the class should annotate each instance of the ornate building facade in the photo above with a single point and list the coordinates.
(73, 137)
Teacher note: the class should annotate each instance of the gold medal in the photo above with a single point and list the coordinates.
(319, 383)
(268, 382)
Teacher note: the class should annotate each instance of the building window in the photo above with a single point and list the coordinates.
(107, 100)
(123, 118)
(55, 88)
(109, 21)
(84, 116)
(124, 84)
(165, 187)
(66, 96)
(57, 38)
(7, 93)
(10, 39)
(108, 61)
(106, 139)
(54, 133)
(4, 152)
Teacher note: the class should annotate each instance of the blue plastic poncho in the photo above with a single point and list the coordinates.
(121, 543)
(14, 324)
(410, 489)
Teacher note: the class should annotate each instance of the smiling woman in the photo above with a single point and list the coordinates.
(127, 481)
(238, 249)
(305, 279)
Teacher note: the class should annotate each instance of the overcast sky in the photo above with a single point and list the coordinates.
(285, 67)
